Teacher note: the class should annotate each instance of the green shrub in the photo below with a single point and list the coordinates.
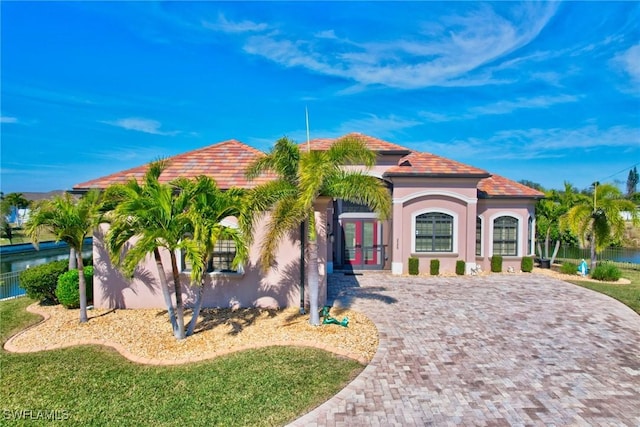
(526, 264)
(414, 266)
(496, 264)
(606, 272)
(460, 267)
(434, 267)
(40, 281)
(568, 268)
(68, 289)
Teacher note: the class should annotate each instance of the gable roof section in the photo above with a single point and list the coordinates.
(373, 144)
(497, 186)
(225, 162)
(430, 165)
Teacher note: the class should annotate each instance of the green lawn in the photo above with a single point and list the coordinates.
(96, 386)
(627, 294)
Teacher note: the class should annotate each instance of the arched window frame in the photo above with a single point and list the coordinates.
(454, 229)
(519, 233)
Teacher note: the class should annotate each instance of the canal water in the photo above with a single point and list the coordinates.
(28, 256)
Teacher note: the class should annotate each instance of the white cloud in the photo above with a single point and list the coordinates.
(461, 45)
(534, 143)
(226, 26)
(382, 127)
(6, 119)
(141, 125)
(501, 107)
(506, 107)
(629, 62)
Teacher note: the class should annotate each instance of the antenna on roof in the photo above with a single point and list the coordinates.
(306, 113)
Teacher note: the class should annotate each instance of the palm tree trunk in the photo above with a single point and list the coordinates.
(593, 251)
(180, 333)
(196, 310)
(165, 290)
(73, 263)
(82, 285)
(314, 282)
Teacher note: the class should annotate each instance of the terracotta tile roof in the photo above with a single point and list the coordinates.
(374, 144)
(225, 162)
(426, 164)
(498, 186)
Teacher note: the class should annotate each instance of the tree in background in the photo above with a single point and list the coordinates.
(548, 213)
(17, 202)
(632, 182)
(5, 225)
(598, 219)
(303, 176)
(70, 221)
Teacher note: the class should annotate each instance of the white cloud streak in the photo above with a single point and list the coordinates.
(629, 62)
(226, 26)
(501, 107)
(462, 44)
(7, 119)
(536, 143)
(141, 125)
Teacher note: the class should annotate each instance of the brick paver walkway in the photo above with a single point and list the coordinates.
(512, 349)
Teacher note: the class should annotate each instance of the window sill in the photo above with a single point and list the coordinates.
(231, 274)
(432, 254)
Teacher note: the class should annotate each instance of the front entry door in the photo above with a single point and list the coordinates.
(362, 248)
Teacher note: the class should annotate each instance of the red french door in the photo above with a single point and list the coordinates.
(361, 242)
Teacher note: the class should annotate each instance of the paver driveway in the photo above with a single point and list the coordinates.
(505, 349)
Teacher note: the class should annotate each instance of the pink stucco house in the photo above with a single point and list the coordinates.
(442, 209)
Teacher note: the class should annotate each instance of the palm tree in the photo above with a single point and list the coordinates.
(155, 215)
(303, 176)
(548, 213)
(206, 212)
(70, 221)
(599, 219)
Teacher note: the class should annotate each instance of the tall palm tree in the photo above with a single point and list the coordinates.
(303, 176)
(71, 221)
(599, 219)
(206, 212)
(155, 215)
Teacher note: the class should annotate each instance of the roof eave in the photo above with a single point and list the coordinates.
(437, 175)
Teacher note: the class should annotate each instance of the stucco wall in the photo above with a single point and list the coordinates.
(278, 287)
(490, 209)
(412, 197)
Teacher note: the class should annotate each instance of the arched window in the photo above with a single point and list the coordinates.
(434, 232)
(505, 236)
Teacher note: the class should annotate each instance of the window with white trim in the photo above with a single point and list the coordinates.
(505, 236)
(434, 232)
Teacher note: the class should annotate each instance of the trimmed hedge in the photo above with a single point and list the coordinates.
(434, 267)
(496, 264)
(414, 266)
(41, 281)
(568, 268)
(460, 267)
(606, 272)
(526, 265)
(68, 289)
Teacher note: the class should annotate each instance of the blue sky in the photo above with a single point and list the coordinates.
(548, 92)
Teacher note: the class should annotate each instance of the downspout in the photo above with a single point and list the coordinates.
(302, 243)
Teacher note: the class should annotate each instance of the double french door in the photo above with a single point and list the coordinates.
(362, 243)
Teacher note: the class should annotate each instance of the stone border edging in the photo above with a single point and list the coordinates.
(164, 362)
